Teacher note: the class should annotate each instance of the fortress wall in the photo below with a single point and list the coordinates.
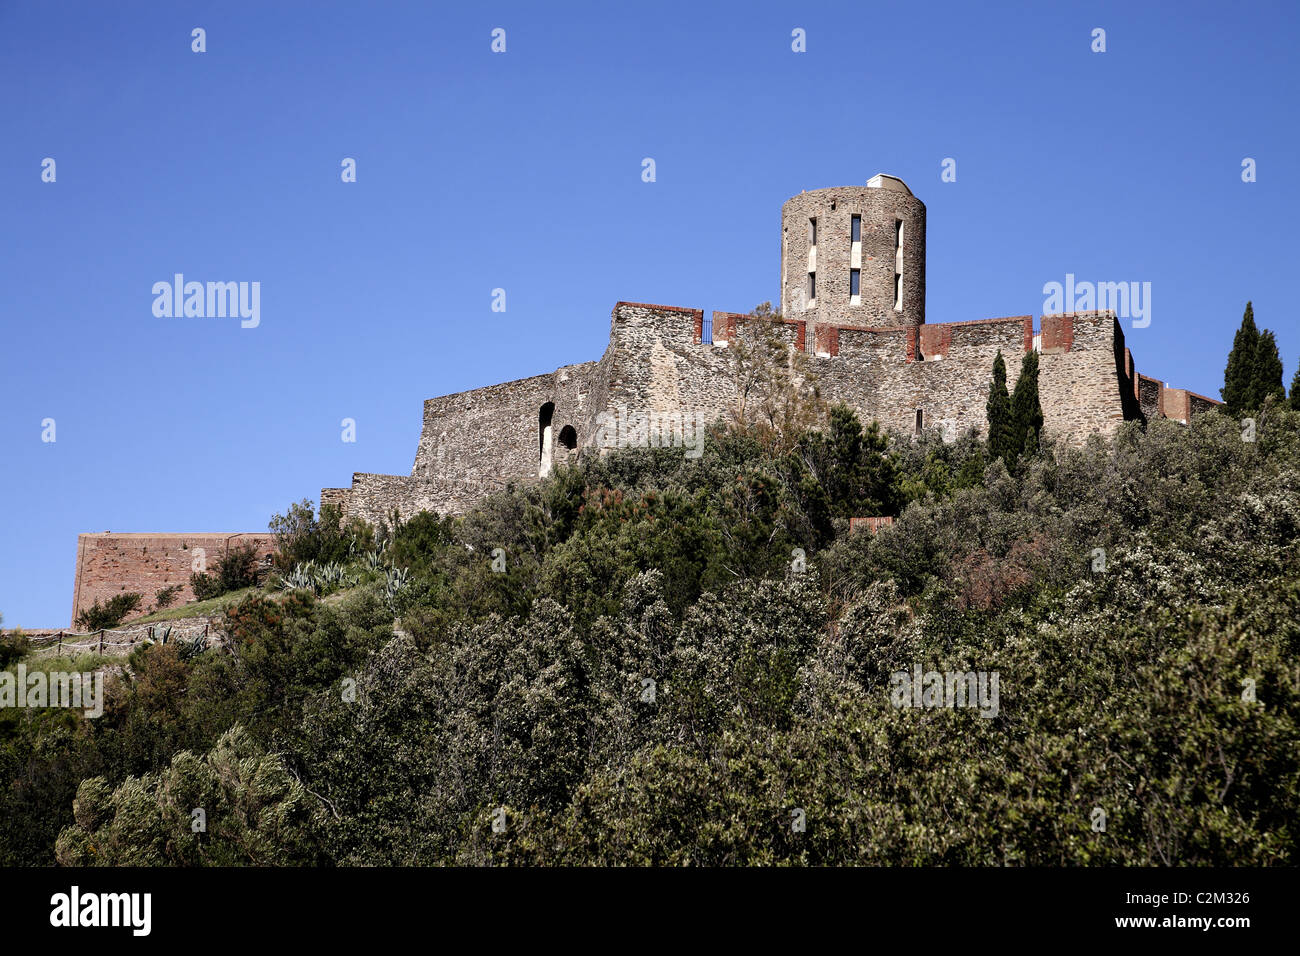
(373, 497)
(336, 496)
(1127, 372)
(476, 442)
(109, 564)
(658, 365)
(1149, 390)
(887, 374)
(1081, 382)
(658, 368)
(1198, 404)
(493, 433)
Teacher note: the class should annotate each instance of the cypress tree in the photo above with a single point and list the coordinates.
(1026, 411)
(1295, 389)
(1268, 371)
(1239, 375)
(998, 411)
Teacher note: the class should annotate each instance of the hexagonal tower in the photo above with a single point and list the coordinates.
(854, 255)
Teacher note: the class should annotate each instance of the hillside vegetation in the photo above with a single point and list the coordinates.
(652, 659)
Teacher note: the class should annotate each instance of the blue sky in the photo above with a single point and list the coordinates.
(522, 171)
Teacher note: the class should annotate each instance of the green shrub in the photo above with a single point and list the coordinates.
(302, 536)
(13, 647)
(110, 613)
(167, 596)
(205, 586)
(237, 568)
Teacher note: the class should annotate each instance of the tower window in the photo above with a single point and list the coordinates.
(898, 265)
(812, 232)
(920, 420)
(855, 229)
(855, 280)
(812, 285)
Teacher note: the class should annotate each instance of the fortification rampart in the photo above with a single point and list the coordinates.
(853, 299)
(111, 563)
(853, 274)
(661, 363)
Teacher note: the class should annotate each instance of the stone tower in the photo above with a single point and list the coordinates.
(854, 255)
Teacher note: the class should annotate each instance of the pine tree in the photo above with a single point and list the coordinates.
(1268, 372)
(1239, 375)
(1026, 411)
(998, 411)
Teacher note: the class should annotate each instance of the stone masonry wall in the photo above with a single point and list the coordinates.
(884, 375)
(109, 564)
(1081, 382)
(476, 442)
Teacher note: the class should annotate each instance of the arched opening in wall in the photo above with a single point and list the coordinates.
(544, 416)
(568, 443)
(920, 422)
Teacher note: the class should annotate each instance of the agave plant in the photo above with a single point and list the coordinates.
(396, 581)
(329, 575)
(374, 560)
(187, 650)
(303, 577)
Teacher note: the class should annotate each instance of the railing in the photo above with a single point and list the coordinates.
(706, 331)
(104, 638)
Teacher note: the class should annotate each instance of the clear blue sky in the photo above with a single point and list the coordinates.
(522, 171)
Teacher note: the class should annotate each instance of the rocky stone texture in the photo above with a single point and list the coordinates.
(110, 564)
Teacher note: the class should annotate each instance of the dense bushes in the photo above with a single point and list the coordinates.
(302, 536)
(233, 571)
(654, 659)
(13, 646)
(110, 613)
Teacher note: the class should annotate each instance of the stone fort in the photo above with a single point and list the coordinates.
(852, 299)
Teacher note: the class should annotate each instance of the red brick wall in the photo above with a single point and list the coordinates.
(828, 339)
(935, 340)
(1058, 334)
(724, 326)
(109, 564)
